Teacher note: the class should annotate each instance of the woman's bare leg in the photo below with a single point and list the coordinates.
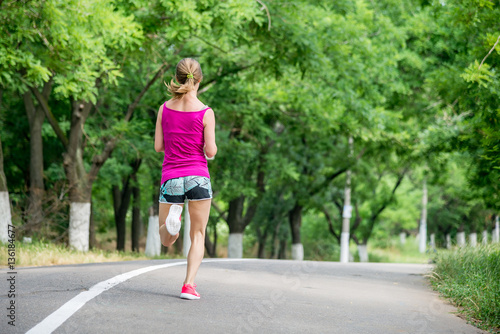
(166, 238)
(199, 211)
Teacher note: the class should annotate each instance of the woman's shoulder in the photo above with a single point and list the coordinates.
(166, 103)
(179, 105)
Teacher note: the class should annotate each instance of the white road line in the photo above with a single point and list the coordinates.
(59, 316)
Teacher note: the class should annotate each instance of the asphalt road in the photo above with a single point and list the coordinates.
(242, 296)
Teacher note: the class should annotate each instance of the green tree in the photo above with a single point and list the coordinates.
(41, 33)
(467, 85)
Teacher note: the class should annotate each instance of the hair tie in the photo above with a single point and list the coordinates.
(190, 76)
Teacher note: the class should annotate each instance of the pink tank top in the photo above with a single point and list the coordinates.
(184, 139)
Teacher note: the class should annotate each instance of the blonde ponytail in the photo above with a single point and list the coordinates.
(187, 73)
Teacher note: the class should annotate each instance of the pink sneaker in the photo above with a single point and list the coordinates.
(173, 221)
(189, 292)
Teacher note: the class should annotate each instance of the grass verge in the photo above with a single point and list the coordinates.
(470, 279)
(395, 252)
(41, 253)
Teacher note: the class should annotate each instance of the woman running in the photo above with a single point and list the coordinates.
(185, 131)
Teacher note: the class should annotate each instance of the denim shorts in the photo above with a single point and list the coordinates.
(194, 188)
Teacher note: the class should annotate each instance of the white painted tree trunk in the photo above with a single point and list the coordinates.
(79, 223)
(432, 241)
(423, 221)
(496, 232)
(402, 238)
(351, 257)
(235, 245)
(5, 216)
(473, 239)
(461, 239)
(186, 238)
(297, 252)
(363, 253)
(346, 213)
(344, 247)
(153, 241)
(448, 241)
(485, 237)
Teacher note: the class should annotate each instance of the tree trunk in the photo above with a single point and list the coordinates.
(3, 179)
(236, 228)
(473, 239)
(432, 242)
(121, 199)
(423, 221)
(402, 238)
(236, 220)
(35, 117)
(496, 231)
(346, 213)
(153, 242)
(485, 237)
(136, 214)
(80, 186)
(210, 246)
(282, 249)
(92, 237)
(235, 245)
(262, 237)
(121, 204)
(461, 239)
(261, 249)
(363, 252)
(346, 219)
(79, 220)
(79, 224)
(448, 241)
(5, 214)
(275, 242)
(297, 252)
(295, 219)
(80, 183)
(235, 215)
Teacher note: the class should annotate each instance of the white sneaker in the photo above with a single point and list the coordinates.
(173, 221)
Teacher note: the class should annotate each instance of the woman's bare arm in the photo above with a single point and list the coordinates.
(209, 133)
(159, 143)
